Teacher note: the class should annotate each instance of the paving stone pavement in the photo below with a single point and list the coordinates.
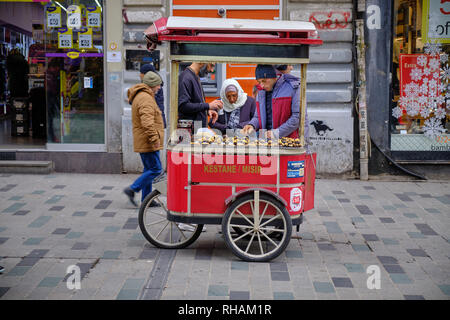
(49, 223)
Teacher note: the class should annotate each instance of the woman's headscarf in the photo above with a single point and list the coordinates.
(242, 96)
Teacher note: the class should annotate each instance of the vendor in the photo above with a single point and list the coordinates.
(277, 104)
(191, 98)
(237, 106)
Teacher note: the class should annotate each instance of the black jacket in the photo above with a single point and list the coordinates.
(191, 101)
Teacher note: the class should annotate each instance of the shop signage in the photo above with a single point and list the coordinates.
(94, 17)
(85, 38)
(436, 21)
(295, 169)
(53, 17)
(419, 80)
(65, 38)
(74, 17)
(73, 54)
(88, 83)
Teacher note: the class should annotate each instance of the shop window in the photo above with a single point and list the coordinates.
(136, 58)
(73, 53)
(421, 76)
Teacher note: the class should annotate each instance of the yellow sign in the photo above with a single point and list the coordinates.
(436, 21)
(65, 38)
(94, 17)
(113, 45)
(73, 54)
(74, 17)
(85, 38)
(53, 16)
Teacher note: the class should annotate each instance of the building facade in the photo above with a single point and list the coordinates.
(61, 66)
(400, 123)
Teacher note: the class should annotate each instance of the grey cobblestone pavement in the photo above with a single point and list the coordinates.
(50, 222)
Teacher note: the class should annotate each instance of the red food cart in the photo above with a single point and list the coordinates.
(256, 189)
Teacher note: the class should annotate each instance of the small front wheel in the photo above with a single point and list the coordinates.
(161, 232)
(259, 218)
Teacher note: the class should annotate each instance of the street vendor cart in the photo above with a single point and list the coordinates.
(256, 189)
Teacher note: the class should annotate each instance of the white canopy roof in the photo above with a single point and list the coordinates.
(238, 24)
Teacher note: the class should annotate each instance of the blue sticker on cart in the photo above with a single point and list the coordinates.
(295, 169)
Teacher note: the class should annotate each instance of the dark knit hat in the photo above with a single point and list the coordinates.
(281, 67)
(265, 71)
(146, 68)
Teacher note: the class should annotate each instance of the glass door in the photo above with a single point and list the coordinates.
(74, 73)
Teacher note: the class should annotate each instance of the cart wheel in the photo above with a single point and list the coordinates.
(271, 219)
(161, 232)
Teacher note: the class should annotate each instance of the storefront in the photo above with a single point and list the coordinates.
(54, 98)
(408, 79)
(420, 118)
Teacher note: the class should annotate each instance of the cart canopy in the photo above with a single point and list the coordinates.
(190, 29)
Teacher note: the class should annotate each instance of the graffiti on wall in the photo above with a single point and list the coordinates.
(331, 139)
(330, 20)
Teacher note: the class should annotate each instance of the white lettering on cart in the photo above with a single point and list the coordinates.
(195, 310)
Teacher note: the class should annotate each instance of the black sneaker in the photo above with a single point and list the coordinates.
(2, 269)
(130, 193)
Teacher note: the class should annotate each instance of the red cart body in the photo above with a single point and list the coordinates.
(204, 184)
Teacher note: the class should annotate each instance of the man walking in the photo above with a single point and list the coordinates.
(159, 96)
(148, 133)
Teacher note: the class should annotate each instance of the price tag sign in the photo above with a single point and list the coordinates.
(65, 39)
(74, 17)
(88, 83)
(94, 17)
(53, 17)
(85, 38)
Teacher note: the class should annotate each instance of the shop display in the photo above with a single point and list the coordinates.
(421, 76)
(20, 118)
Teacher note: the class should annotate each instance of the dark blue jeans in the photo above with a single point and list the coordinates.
(152, 168)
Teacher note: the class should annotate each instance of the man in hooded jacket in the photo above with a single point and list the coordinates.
(148, 133)
(277, 105)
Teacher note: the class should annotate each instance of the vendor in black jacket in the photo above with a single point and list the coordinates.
(191, 98)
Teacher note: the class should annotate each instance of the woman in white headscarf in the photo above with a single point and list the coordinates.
(238, 108)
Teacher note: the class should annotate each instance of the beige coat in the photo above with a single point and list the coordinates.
(146, 117)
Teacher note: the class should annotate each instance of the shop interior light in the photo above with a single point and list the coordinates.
(56, 2)
(98, 4)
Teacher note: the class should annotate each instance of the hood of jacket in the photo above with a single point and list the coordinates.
(292, 80)
(134, 90)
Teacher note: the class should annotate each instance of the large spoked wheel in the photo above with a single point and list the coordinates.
(259, 217)
(161, 232)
